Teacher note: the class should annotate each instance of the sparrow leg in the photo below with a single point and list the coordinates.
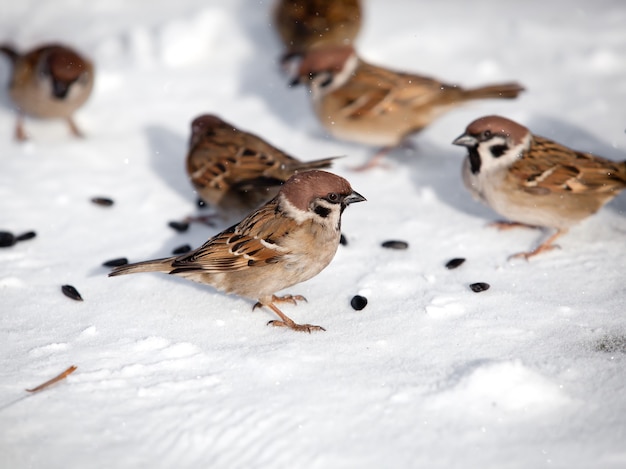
(74, 128)
(545, 246)
(20, 133)
(287, 322)
(293, 299)
(204, 219)
(507, 225)
(374, 161)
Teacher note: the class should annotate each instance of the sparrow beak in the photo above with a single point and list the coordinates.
(354, 197)
(465, 141)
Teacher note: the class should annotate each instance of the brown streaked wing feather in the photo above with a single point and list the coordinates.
(566, 170)
(378, 90)
(250, 243)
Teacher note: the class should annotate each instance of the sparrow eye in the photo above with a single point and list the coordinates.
(333, 197)
(486, 134)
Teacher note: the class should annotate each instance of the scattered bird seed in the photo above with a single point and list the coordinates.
(454, 263)
(200, 203)
(394, 244)
(358, 302)
(6, 239)
(179, 226)
(479, 287)
(182, 249)
(26, 236)
(343, 240)
(71, 292)
(115, 262)
(102, 201)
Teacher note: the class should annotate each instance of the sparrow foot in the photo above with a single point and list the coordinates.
(543, 247)
(208, 220)
(507, 225)
(285, 321)
(74, 128)
(293, 299)
(374, 162)
(20, 133)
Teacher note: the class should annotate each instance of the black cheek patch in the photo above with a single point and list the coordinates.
(474, 159)
(498, 150)
(322, 211)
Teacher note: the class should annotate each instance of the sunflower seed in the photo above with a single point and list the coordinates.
(71, 292)
(102, 201)
(6, 239)
(479, 287)
(343, 240)
(358, 302)
(454, 263)
(394, 244)
(182, 249)
(115, 262)
(179, 226)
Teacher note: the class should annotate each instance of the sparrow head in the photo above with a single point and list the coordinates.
(205, 125)
(318, 195)
(64, 67)
(493, 142)
(326, 68)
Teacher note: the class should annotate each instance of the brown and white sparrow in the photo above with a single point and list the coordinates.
(365, 103)
(51, 81)
(302, 24)
(534, 181)
(235, 171)
(287, 241)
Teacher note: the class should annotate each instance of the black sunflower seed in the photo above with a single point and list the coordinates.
(102, 201)
(115, 262)
(358, 302)
(395, 244)
(6, 239)
(342, 240)
(180, 226)
(71, 292)
(454, 263)
(479, 287)
(26, 236)
(182, 249)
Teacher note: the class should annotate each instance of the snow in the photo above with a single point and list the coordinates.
(430, 374)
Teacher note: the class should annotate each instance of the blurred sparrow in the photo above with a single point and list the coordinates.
(534, 181)
(303, 24)
(235, 171)
(287, 241)
(51, 81)
(364, 103)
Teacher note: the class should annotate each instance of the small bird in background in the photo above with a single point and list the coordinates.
(235, 171)
(51, 81)
(534, 181)
(303, 24)
(364, 103)
(289, 240)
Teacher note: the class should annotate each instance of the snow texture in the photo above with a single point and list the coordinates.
(429, 374)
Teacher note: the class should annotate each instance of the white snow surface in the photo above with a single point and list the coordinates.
(528, 374)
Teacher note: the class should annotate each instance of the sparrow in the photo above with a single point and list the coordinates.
(365, 103)
(51, 81)
(534, 181)
(290, 239)
(302, 24)
(236, 171)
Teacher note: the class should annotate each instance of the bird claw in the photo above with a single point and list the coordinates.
(507, 225)
(296, 327)
(539, 250)
(293, 299)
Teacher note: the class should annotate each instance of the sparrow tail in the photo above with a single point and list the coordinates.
(500, 91)
(157, 265)
(10, 52)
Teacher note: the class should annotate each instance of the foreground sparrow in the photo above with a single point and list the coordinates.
(303, 24)
(51, 81)
(236, 171)
(287, 241)
(534, 181)
(364, 103)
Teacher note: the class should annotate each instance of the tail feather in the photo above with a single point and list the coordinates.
(317, 164)
(157, 265)
(10, 52)
(499, 91)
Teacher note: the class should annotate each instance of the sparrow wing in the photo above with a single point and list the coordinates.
(551, 167)
(254, 241)
(376, 90)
